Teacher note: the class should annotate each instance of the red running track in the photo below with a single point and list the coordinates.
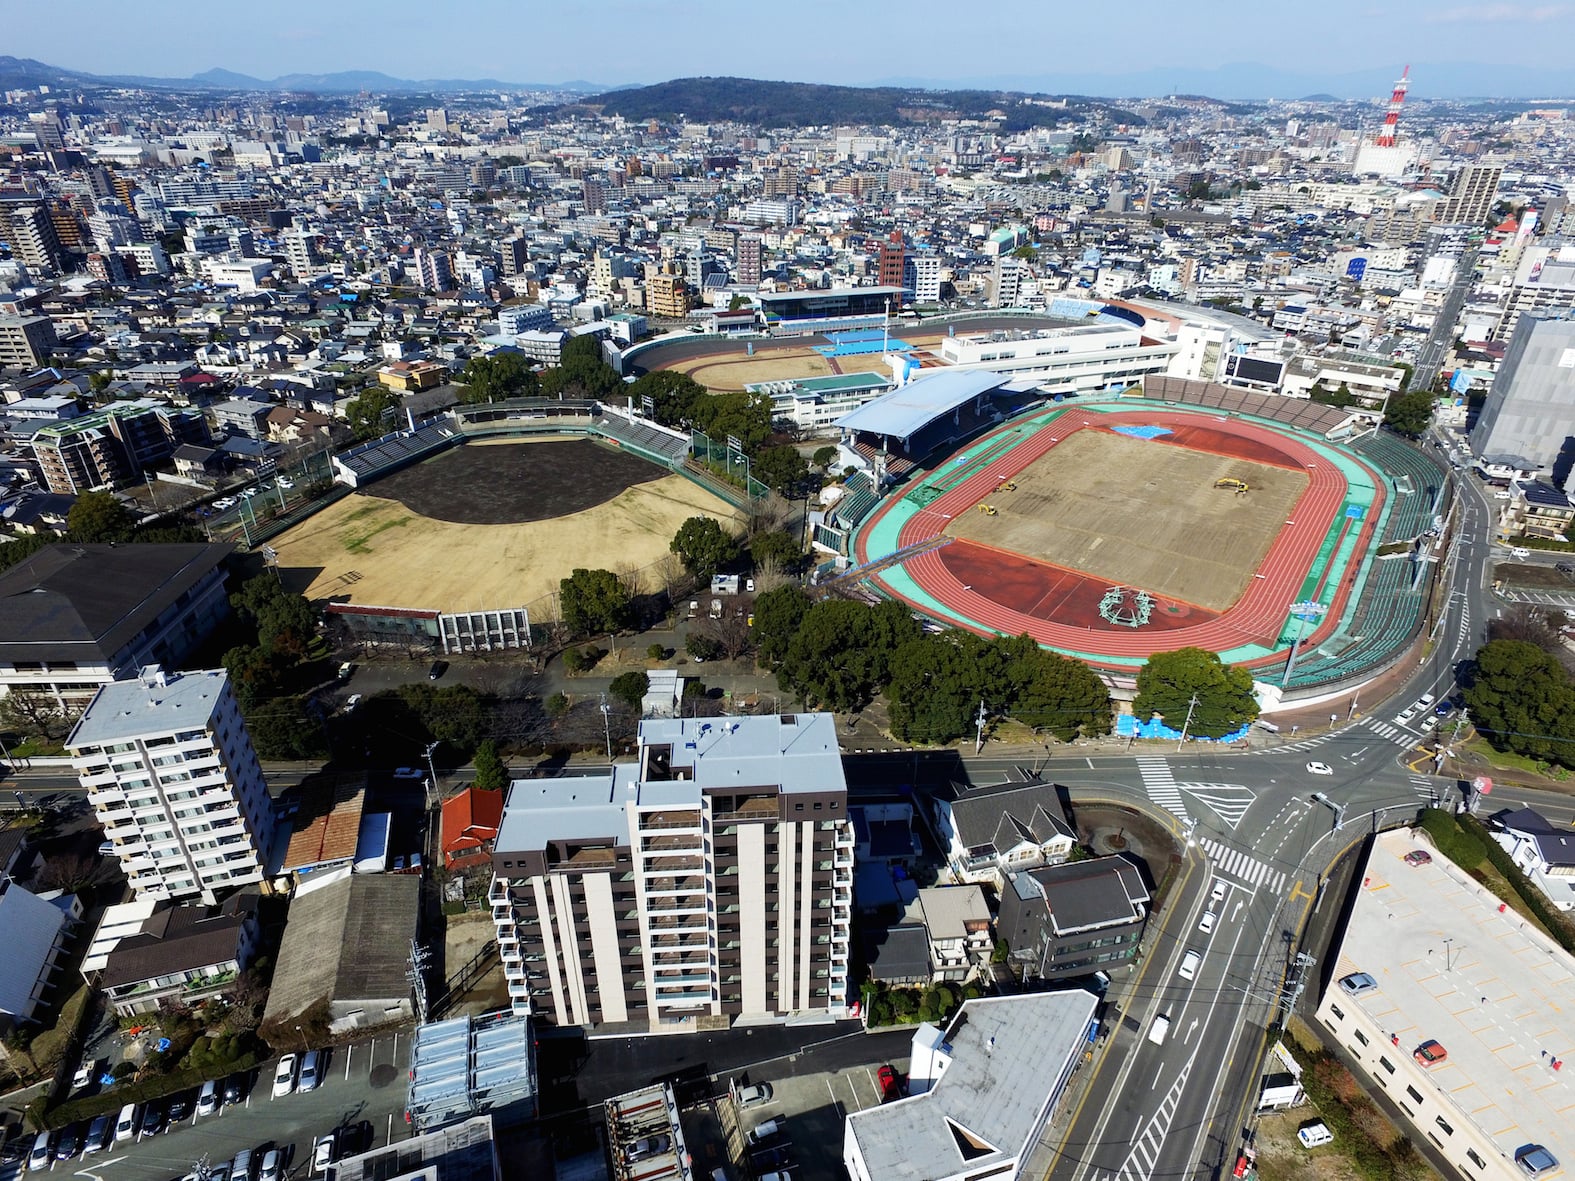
(1256, 618)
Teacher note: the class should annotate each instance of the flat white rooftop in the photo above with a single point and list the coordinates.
(1455, 965)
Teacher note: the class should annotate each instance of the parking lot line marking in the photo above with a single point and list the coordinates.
(349, 1053)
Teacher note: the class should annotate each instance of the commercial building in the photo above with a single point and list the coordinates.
(1086, 358)
(468, 1065)
(667, 295)
(1074, 919)
(171, 774)
(1456, 1008)
(1544, 282)
(709, 881)
(980, 1092)
(76, 617)
(25, 341)
(1530, 410)
(814, 403)
(889, 270)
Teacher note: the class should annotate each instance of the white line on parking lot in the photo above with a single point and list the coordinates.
(349, 1053)
(835, 1102)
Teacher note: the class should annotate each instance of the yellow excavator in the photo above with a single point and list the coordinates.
(1240, 487)
(987, 509)
(1008, 486)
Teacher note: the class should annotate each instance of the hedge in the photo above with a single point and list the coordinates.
(154, 1087)
(1460, 846)
(1536, 901)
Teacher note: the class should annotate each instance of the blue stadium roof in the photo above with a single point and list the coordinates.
(909, 409)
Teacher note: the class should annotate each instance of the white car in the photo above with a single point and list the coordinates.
(1206, 923)
(323, 1153)
(251, 492)
(1319, 769)
(284, 482)
(1218, 892)
(284, 1077)
(1189, 965)
(225, 502)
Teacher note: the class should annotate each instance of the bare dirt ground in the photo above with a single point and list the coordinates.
(735, 370)
(1142, 513)
(370, 550)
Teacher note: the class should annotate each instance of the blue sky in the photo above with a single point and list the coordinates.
(852, 41)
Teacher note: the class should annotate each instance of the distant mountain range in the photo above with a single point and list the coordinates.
(1237, 80)
(20, 72)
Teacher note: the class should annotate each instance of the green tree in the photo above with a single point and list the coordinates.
(593, 602)
(630, 688)
(672, 395)
(931, 689)
(1409, 414)
(256, 675)
(365, 413)
(776, 546)
(98, 516)
(285, 622)
(491, 774)
(778, 614)
(703, 546)
(1063, 696)
(581, 372)
(283, 728)
(1219, 695)
(824, 457)
(781, 469)
(1522, 700)
(501, 375)
(454, 714)
(842, 652)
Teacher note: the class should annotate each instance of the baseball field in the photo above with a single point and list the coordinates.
(516, 517)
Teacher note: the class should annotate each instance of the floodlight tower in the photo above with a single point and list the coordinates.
(1386, 137)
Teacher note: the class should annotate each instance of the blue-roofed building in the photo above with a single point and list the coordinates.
(711, 878)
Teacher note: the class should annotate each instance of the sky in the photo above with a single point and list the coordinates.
(859, 42)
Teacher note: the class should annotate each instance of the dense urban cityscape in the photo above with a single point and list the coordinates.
(733, 630)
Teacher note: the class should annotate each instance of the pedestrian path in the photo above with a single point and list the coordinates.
(1140, 1162)
(1161, 784)
(1246, 869)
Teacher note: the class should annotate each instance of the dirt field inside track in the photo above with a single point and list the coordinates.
(1142, 513)
(372, 550)
(732, 369)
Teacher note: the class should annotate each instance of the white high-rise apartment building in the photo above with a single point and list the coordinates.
(710, 880)
(170, 771)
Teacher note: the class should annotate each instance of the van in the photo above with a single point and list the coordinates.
(1519, 551)
(126, 1123)
(1264, 724)
(1314, 1134)
(1157, 1031)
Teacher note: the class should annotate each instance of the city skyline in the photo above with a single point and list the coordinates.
(1242, 51)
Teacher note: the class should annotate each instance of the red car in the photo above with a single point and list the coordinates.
(1418, 857)
(1429, 1053)
(890, 1083)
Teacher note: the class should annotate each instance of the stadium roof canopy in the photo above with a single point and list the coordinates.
(909, 409)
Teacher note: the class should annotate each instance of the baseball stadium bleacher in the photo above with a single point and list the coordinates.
(370, 460)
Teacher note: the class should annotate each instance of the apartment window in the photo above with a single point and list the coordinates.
(1475, 1159)
(1360, 1036)
(1444, 1124)
(1335, 1010)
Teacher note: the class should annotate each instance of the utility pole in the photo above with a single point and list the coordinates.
(1299, 967)
(978, 742)
(1191, 705)
(432, 783)
(607, 726)
(416, 973)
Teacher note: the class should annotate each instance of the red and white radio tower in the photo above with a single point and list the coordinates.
(1386, 137)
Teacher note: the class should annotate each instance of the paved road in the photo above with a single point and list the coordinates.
(1441, 340)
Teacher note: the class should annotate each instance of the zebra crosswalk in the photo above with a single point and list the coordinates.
(1161, 784)
(1243, 867)
(1140, 1162)
(1390, 731)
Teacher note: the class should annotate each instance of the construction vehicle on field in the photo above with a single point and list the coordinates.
(1241, 487)
(987, 509)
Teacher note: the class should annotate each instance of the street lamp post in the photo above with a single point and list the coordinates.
(607, 726)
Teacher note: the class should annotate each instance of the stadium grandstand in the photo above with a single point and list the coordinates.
(809, 312)
(394, 451)
(892, 434)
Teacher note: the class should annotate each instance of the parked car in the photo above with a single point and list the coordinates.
(765, 1133)
(768, 1159)
(70, 1142)
(38, 1160)
(649, 1146)
(284, 1077)
(208, 1099)
(1206, 923)
(1314, 1134)
(180, 1109)
(236, 1087)
(439, 667)
(152, 1119)
(225, 502)
(272, 1166)
(890, 1083)
(1357, 983)
(1218, 892)
(1418, 857)
(126, 1123)
(98, 1134)
(1430, 1053)
(754, 1094)
(1535, 1160)
(323, 1152)
(409, 773)
(311, 1071)
(88, 1071)
(285, 482)
(241, 1166)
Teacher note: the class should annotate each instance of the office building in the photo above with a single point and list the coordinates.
(171, 774)
(1456, 1008)
(771, 211)
(1084, 358)
(25, 341)
(748, 272)
(524, 317)
(30, 231)
(710, 880)
(300, 251)
(594, 194)
(75, 617)
(1544, 282)
(1471, 195)
(1528, 420)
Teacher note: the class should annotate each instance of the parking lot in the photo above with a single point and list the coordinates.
(807, 1109)
(362, 1096)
